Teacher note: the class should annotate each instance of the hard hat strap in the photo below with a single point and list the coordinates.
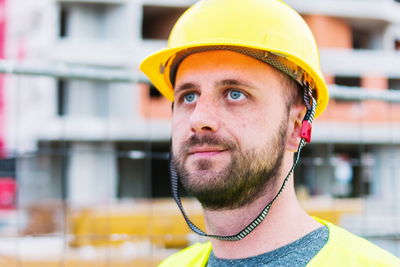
(311, 105)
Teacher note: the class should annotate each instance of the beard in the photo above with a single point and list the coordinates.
(244, 179)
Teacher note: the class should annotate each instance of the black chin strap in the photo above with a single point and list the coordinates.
(306, 131)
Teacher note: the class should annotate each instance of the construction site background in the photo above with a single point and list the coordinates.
(84, 137)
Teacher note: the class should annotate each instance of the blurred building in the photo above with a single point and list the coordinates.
(91, 142)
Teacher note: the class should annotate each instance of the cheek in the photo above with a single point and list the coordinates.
(178, 135)
(244, 129)
(252, 134)
(256, 128)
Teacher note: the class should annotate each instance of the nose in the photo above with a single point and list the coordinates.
(204, 117)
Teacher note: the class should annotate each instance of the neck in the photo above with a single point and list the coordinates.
(285, 223)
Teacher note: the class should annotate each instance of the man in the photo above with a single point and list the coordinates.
(245, 82)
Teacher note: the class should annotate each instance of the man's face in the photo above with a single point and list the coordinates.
(229, 127)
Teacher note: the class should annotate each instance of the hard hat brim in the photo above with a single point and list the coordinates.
(158, 73)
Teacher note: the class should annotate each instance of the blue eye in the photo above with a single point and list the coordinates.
(235, 95)
(190, 98)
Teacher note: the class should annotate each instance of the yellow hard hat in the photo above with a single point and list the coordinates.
(268, 30)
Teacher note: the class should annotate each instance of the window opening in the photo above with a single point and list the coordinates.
(153, 92)
(397, 44)
(63, 21)
(61, 97)
(348, 81)
(347, 170)
(394, 84)
(159, 20)
(7, 168)
(367, 38)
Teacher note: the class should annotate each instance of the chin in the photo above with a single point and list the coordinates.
(213, 165)
(204, 175)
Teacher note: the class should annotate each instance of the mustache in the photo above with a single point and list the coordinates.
(207, 139)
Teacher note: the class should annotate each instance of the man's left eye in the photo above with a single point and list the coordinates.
(235, 95)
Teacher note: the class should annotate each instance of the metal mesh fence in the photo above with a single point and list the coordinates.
(84, 178)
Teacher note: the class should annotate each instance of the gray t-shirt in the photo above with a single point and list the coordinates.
(297, 253)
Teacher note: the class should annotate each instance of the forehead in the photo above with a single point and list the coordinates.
(217, 63)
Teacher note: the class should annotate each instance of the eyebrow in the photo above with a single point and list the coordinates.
(185, 86)
(234, 82)
(226, 82)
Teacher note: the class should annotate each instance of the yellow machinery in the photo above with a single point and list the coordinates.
(154, 226)
(161, 222)
(157, 220)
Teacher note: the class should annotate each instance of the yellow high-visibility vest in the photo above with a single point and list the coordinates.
(342, 249)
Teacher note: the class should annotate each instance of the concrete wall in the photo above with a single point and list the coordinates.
(39, 179)
(91, 173)
(387, 173)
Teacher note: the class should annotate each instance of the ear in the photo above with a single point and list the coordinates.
(296, 116)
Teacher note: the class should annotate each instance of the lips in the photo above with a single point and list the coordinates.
(206, 150)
